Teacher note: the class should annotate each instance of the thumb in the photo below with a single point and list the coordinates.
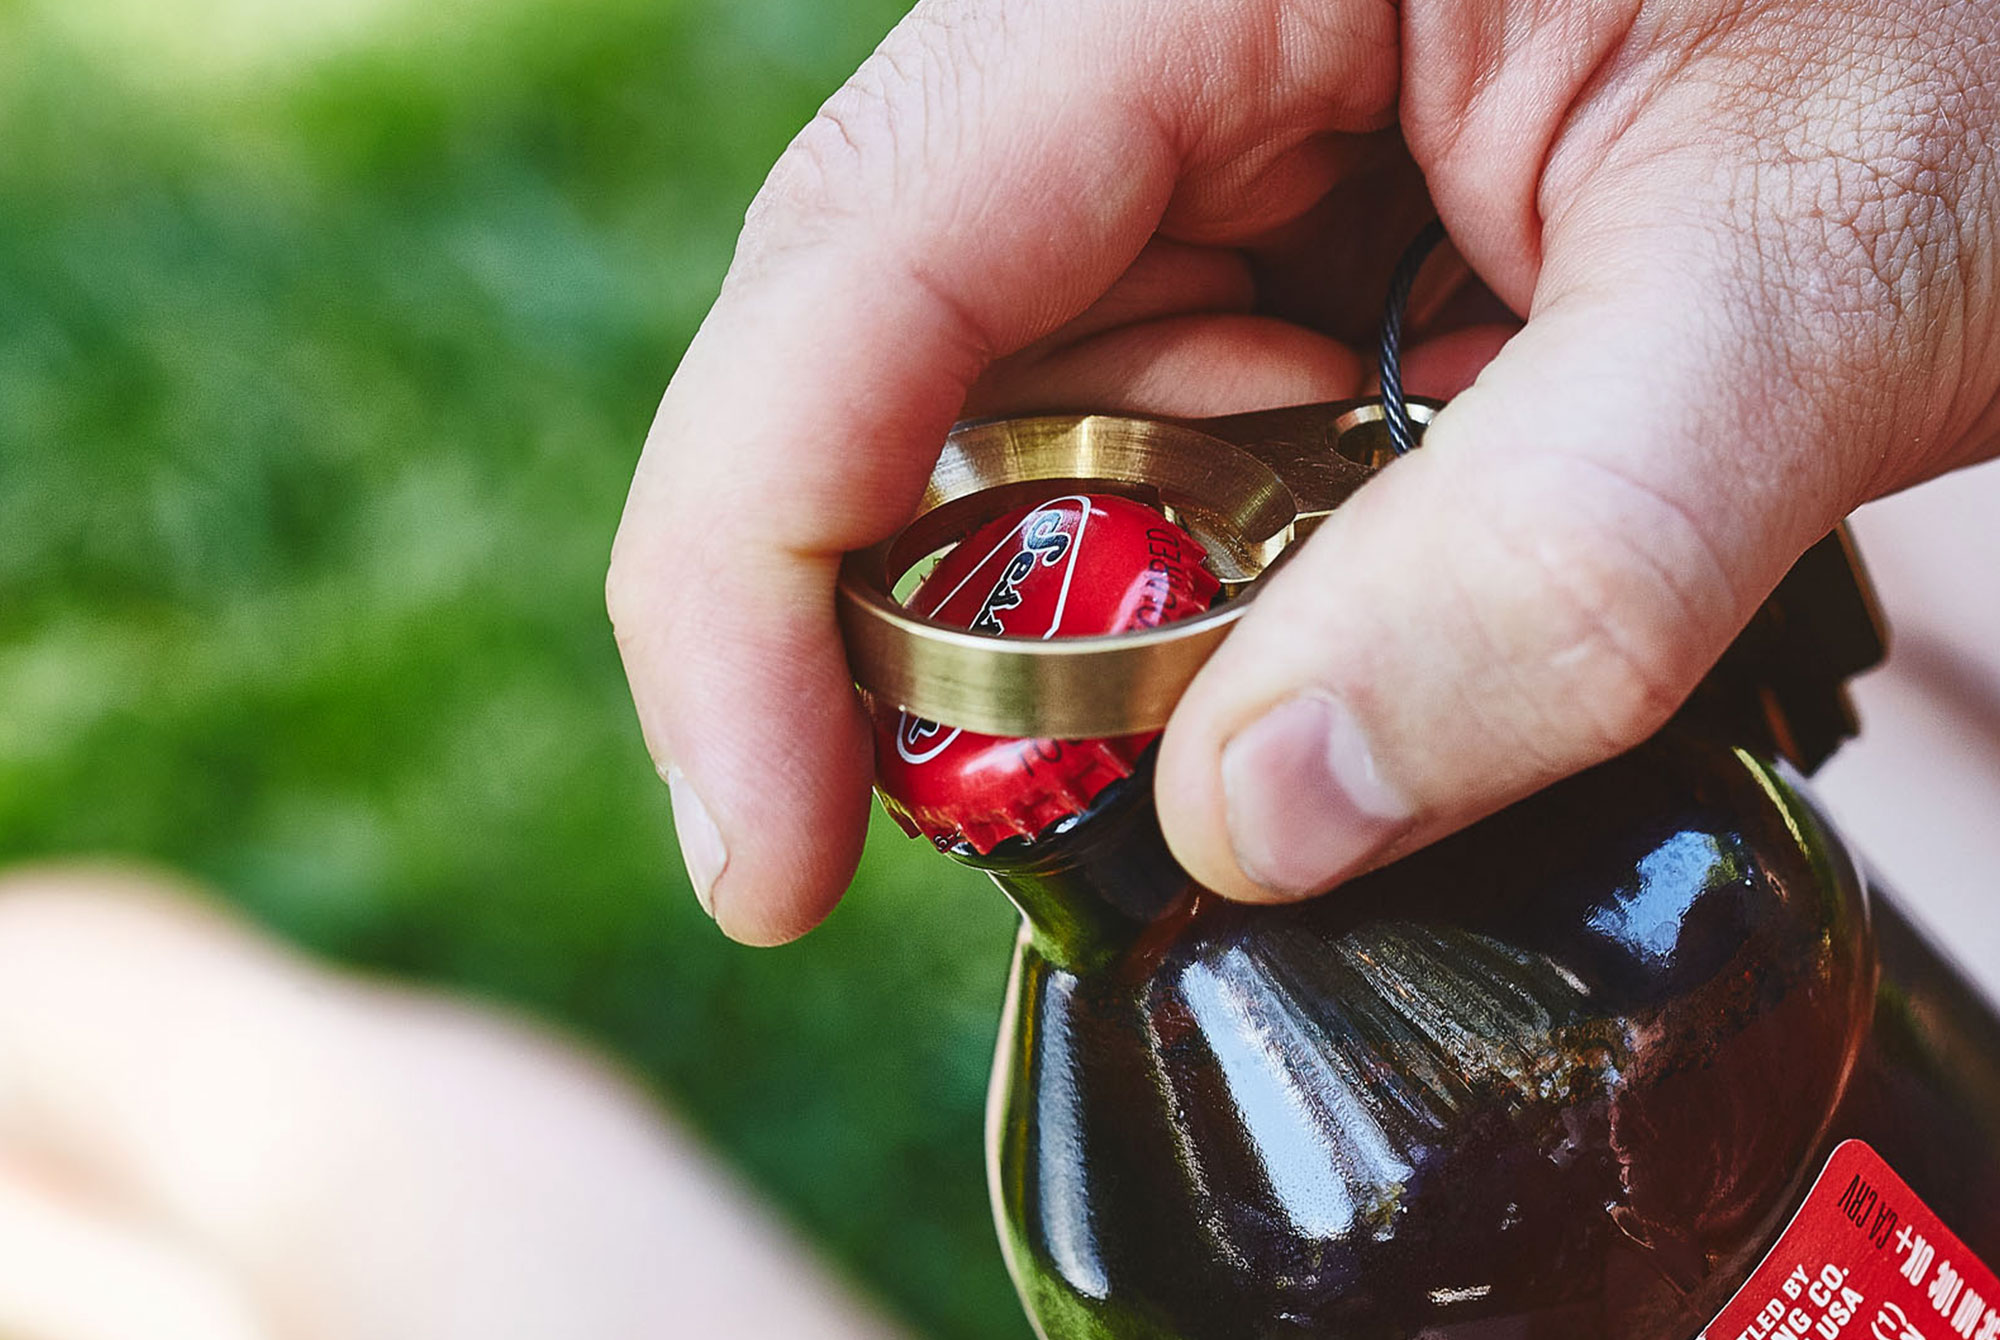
(1533, 591)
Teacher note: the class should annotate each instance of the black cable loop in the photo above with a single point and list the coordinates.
(1403, 434)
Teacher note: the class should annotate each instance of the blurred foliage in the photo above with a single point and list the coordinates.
(328, 334)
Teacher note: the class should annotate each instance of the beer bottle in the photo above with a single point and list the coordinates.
(1647, 1056)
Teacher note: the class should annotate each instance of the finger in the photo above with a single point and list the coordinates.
(1189, 367)
(1536, 589)
(1167, 278)
(359, 1161)
(1447, 364)
(943, 211)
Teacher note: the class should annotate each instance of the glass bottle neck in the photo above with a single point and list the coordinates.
(1088, 891)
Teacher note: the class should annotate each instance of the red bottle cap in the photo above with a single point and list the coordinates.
(1073, 567)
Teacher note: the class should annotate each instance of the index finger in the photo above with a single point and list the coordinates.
(985, 176)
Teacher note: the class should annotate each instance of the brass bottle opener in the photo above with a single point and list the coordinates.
(1247, 486)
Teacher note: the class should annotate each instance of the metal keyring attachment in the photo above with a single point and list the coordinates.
(1247, 486)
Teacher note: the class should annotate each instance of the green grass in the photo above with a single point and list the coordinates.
(322, 373)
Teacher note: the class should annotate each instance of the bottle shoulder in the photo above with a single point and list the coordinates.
(1597, 1038)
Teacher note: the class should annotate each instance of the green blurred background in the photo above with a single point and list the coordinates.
(328, 334)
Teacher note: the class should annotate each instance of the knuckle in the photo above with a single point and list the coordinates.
(857, 153)
(824, 175)
(1607, 611)
(833, 156)
(1590, 692)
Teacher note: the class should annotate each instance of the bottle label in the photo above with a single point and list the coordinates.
(1864, 1259)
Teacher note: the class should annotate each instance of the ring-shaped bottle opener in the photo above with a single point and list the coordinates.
(1247, 486)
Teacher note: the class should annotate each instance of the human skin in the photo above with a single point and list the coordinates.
(206, 1136)
(1752, 245)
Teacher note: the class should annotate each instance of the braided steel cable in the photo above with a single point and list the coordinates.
(1403, 434)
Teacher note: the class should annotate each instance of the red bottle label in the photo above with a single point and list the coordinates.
(1864, 1259)
(1073, 566)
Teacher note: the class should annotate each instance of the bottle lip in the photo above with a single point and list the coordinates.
(1056, 848)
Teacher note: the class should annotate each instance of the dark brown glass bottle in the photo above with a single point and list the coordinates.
(1566, 1074)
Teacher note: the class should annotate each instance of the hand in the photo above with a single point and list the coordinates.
(1754, 245)
(205, 1137)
